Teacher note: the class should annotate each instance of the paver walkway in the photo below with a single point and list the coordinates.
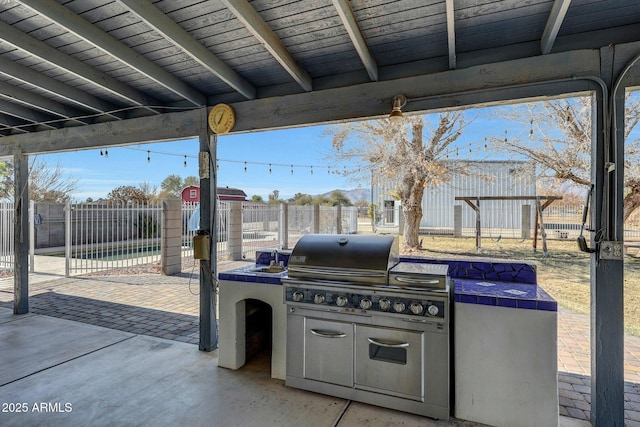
(168, 307)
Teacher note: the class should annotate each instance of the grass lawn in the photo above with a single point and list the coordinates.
(564, 274)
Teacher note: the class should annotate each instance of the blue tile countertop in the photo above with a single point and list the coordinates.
(503, 294)
(476, 281)
(249, 274)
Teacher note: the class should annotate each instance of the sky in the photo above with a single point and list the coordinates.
(307, 149)
(304, 148)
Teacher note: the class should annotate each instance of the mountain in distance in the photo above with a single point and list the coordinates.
(354, 195)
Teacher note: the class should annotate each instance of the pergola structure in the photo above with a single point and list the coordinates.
(80, 74)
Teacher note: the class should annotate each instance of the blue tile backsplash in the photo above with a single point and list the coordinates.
(475, 281)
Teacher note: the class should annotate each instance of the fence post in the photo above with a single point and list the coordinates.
(32, 235)
(526, 222)
(315, 227)
(171, 237)
(457, 221)
(234, 235)
(284, 226)
(339, 219)
(67, 239)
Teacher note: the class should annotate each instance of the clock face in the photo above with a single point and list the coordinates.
(221, 118)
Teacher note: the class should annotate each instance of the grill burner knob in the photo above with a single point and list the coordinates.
(365, 304)
(341, 301)
(432, 310)
(416, 308)
(318, 299)
(384, 304)
(398, 307)
(297, 296)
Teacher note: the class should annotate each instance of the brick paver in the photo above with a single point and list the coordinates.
(168, 307)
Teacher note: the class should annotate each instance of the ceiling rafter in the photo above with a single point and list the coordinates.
(75, 96)
(32, 100)
(53, 56)
(357, 38)
(8, 123)
(260, 30)
(451, 34)
(105, 42)
(24, 113)
(173, 32)
(558, 12)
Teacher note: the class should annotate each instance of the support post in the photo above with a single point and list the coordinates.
(339, 219)
(284, 226)
(21, 234)
(607, 276)
(315, 228)
(171, 258)
(234, 230)
(525, 222)
(457, 221)
(208, 216)
(32, 235)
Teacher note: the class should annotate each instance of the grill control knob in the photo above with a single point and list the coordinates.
(365, 304)
(297, 296)
(398, 306)
(416, 308)
(384, 304)
(341, 301)
(433, 310)
(318, 299)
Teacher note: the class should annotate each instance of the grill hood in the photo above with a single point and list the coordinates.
(344, 257)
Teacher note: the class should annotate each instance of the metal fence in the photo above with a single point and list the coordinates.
(6, 235)
(111, 236)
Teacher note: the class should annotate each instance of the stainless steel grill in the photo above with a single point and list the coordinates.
(362, 326)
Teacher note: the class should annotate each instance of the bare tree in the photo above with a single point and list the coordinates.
(50, 185)
(408, 153)
(559, 140)
(127, 193)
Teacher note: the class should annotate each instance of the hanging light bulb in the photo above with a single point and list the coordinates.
(329, 170)
(148, 156)
(101, 152)
(505, 137)
(106, 153)
(245, 167)
(291, 169)
(531, 129)
(311, 170)
(185, 161)
(269, 168)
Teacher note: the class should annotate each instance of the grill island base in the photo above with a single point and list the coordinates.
(505, 334)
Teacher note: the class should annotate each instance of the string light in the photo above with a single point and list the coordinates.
(531, 129)
(101, 153)
(106, 153)
(505, 137)
(245, 167)
(148, 156)
(311, 169)
(329, 170)
(269, 168)
(185, 161)
(291, 169)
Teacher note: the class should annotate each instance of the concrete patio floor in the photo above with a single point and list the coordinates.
(122, 351)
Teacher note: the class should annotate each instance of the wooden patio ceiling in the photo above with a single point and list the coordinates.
(80, 62)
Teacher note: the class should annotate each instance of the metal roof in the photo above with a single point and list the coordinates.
(73, 63)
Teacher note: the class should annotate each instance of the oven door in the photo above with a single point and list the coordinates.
(328, 351)
(390, 361)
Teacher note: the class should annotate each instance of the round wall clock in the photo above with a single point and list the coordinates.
(221, 118)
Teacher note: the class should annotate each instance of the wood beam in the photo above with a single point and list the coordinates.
(21, 234)
(39, 102)
(451, 34)
(26, 114)
(357, 38)
(75, 96)
(157, 128)
(554, 22)
(260, 30)
(173, 32)
(55, 57)
(105, 42)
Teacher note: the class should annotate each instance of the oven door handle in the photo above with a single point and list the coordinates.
(388, 344)
(415, 280)
(327, 334)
